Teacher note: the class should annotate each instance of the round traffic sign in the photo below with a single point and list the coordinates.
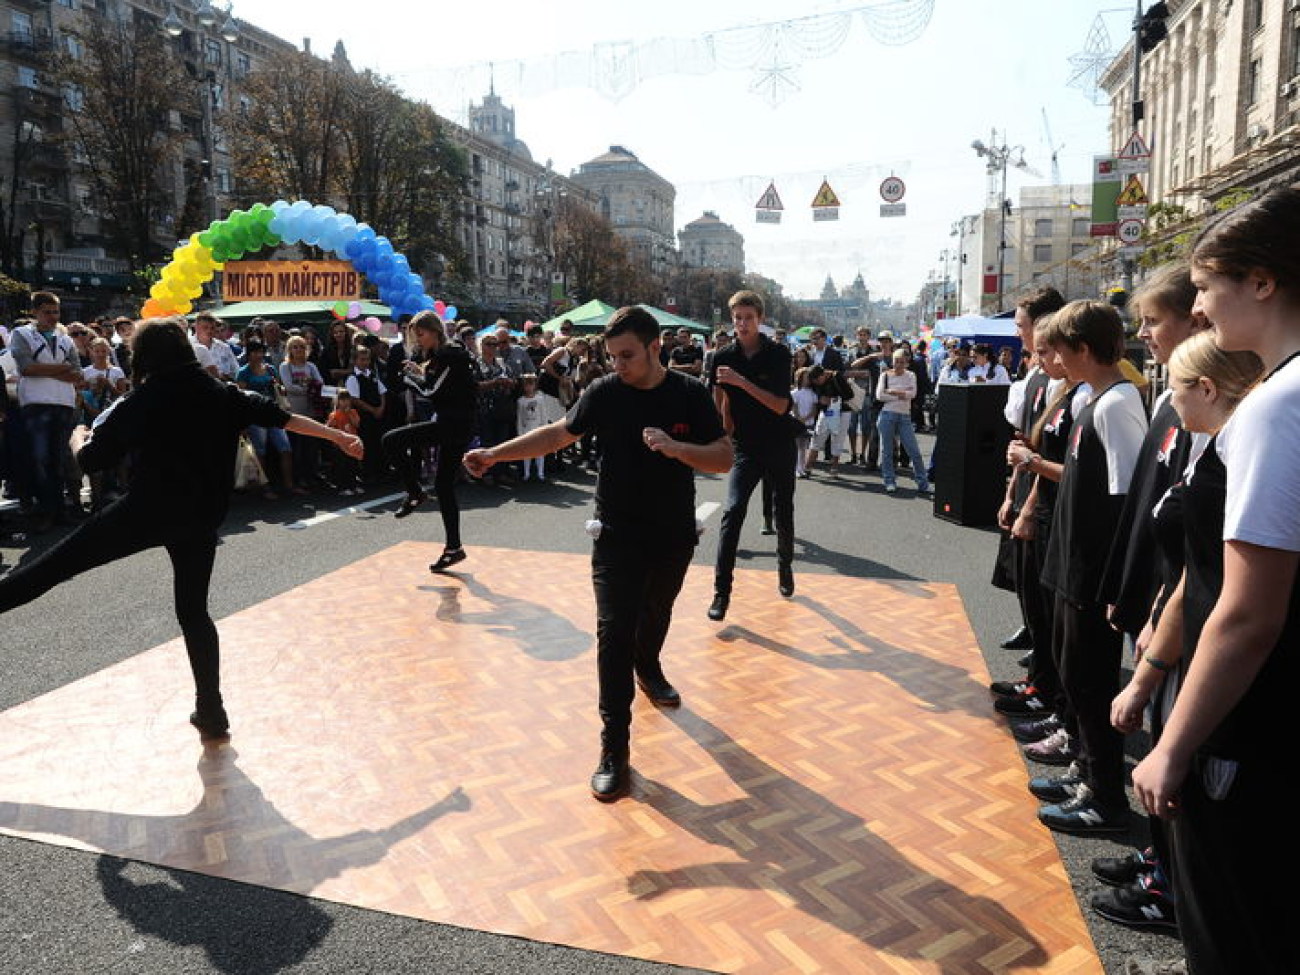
(892, 189)
(1129, 231)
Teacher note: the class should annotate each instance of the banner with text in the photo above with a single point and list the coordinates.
(290, 281)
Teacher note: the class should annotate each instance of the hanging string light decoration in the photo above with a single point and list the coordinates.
(616, 69)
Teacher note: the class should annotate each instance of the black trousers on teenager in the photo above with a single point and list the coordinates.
(1233, 857)
(1036, 606)
(636, 581)
(122, 529)
(773, 465)
(406, 448)
(1087, 651)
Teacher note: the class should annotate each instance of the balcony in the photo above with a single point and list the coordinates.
(45, 156)
(28, 43)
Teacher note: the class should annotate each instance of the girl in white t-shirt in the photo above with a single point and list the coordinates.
(804, 406)
(531, 413)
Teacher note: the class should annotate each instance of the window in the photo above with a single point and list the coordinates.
(1042, 253)
(21, 27)
(74, 98)
(26, 77)
(1077, 249)
(70, 4)
(1252, 82)
(73, 46)
(1295, 50)
(1080, 227)
(225, 183)
(1043, 227)
(243, 65)
(212, 51)
(1255, 14)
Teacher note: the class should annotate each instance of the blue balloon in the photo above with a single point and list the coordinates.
(415, 283)
(426, 303)
(401, 263)
(385, 247)
(451, 313)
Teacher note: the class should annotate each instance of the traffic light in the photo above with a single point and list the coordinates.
(1151, 29)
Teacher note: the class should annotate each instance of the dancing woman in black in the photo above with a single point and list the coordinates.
(181, 427)
(445, 378)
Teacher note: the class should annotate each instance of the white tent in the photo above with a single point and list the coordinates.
(975, 326)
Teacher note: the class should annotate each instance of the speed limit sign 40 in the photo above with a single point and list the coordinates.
(892, 190)
(1129, 231)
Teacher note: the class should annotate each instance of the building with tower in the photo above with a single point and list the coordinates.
(707, 242)
(638, 202)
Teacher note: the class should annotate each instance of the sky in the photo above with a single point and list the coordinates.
(852, 114)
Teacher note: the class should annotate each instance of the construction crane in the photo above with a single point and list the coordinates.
(1054, 149)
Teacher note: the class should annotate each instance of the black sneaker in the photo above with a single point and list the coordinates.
(610, 780)
(659, 691)
(1020, 640)
(1025, 659)
(1036, 729)
(1057, 788)
(1010, 688)
(212, 725)
(1083, 815)
(1025, 704)
(1137, 905)
(718, 608)
(1119, 871)
(785, 580)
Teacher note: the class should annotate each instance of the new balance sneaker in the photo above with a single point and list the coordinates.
(1082, 814)
(1035, 729)
(1137, 905)
(1010, 688)
(1057, 788)
(1026, 703)
(1118, 871)
(1058, 748)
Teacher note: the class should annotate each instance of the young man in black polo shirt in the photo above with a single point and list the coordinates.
(656, 427)
(751, 385)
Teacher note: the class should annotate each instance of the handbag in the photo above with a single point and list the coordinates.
(248, 469)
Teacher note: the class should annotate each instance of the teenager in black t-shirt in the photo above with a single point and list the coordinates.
(751, 385)
(656, 427)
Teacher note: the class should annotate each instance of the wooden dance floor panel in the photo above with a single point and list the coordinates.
(835, 795)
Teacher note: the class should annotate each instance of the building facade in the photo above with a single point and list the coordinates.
(638, 202)
(707, 242)
(1221, 100)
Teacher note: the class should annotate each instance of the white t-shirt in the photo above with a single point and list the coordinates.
(1121, 424)
(114, 374)
(992, 373)
(202, 354)
(805, 404)
(1261, 452)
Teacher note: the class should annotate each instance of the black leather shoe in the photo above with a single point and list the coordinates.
(1020, 640)
(447, 559)
(785, 580)
(409, 504)
(212, 726)
(718, 608)
(1025, 661)
(767, 529)
(659, 691)
(610, 780)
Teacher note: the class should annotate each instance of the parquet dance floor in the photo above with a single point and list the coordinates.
(834, 796)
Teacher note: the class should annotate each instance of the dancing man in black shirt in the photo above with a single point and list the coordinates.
(751, 385)
(656, 427)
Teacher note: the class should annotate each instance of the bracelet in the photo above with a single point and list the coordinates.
(1159, 665)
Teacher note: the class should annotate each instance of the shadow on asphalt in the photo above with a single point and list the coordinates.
(809, 861)
(261, 930)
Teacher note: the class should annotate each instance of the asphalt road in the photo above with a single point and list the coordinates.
(65, 911)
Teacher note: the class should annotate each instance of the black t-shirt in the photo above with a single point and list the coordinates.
(181, 428)
(1053, 445)
(640, 493)
(755, 426)
(1031, 409)
(685, 355)
(1086, 513)
(450, 386)
(1137, 566)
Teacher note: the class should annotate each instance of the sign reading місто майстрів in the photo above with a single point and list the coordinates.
(290, 281)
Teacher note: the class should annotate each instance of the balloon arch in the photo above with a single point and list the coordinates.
(195, 262)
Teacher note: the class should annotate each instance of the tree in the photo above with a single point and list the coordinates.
(288, 142)
(126, 87)
(593, 258)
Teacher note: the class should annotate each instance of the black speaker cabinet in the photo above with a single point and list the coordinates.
(970, 457)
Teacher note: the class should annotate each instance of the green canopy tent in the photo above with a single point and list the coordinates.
(668, 320)
(590, 317)
(297, 312)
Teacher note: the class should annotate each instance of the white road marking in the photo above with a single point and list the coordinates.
(707, 508)
(352, 509)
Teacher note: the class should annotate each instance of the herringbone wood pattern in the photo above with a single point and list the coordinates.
(835, 795)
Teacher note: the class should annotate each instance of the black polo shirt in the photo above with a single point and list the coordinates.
(769, 369)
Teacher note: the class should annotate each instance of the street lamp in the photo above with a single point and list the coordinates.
(999, 157)
(206, 17)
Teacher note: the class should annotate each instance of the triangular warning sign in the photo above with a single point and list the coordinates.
(826, 196)
(1133, 194)
(1135, 148)
(769, 200)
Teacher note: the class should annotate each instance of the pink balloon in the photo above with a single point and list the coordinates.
(528, 324)
(439, 306)
(354, 310)
(372, 324)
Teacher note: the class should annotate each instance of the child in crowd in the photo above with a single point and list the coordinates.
(345, 417)
(826, 435)
(530, 414)
(804, 404)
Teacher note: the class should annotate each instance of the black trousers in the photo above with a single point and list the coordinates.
(636, 583)
(1233, 860)
(1087, 654)
(774, 466)
(120, 530)
(405, 448)
(1036, 608)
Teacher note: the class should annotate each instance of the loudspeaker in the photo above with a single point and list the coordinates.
(970, 454)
